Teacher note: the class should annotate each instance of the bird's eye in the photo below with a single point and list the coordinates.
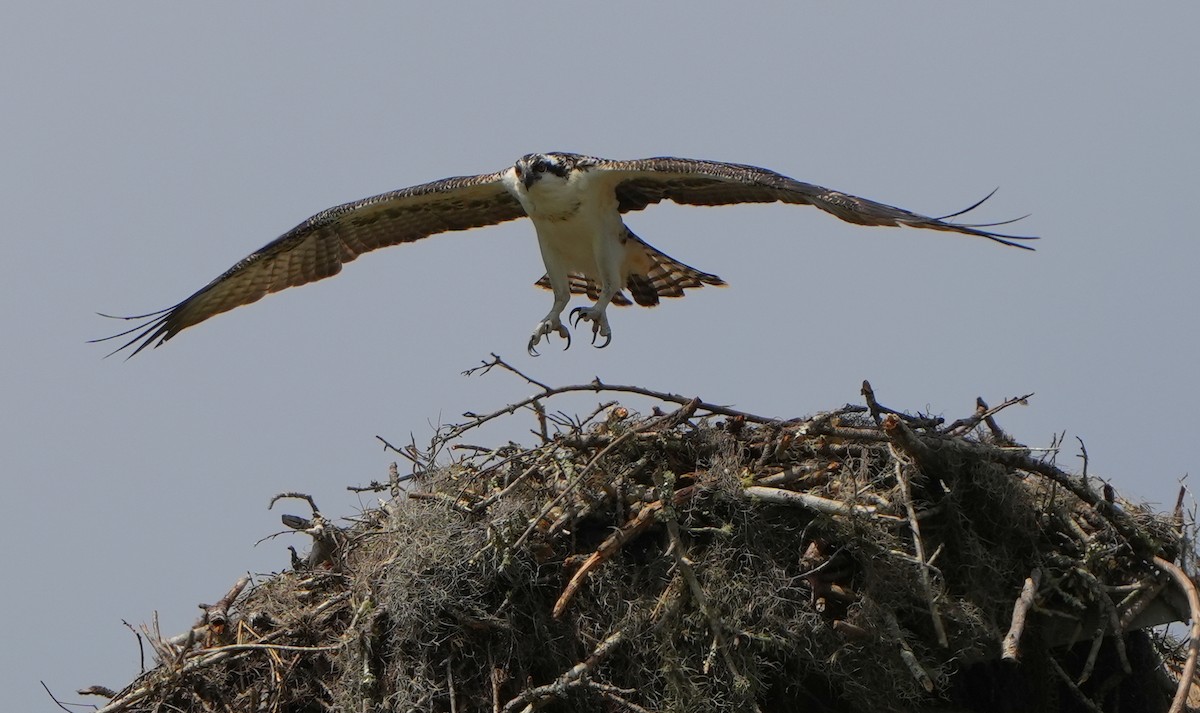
(540, 165)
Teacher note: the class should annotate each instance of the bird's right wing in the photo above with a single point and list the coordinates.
(318, 247)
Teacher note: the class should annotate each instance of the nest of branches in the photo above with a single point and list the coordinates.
(706, 559)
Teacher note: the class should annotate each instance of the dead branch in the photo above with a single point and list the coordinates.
(812, 502)
(596, 386)
(986, 415)
(539, 696)
(629, 532)
(939, 628)
(1187, 676)
(1011, 648)
(716, 626)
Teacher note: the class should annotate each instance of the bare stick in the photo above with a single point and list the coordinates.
(1185, 583)
(595, 386)
(689, 575)
(939, 628)
(908, 657)
(612, 693)
(613, 543)
(667, 421)
(985, 414)
(815, 503)
(541, 695)
(872, 405)
(56, 701)
(1011, 648)
(141, 646)
(297, 496)
(1140, 600)
(1080, 695)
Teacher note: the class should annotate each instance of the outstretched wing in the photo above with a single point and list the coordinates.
(641, 182)
(318, 247)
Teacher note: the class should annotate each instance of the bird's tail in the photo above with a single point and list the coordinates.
(661, 276)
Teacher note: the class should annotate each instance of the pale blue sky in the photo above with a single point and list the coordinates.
(149, 146)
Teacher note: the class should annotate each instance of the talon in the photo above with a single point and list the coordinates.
(575, 315)
(607, 341)
(545, 329)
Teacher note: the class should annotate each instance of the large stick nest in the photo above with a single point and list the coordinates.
(704, 559)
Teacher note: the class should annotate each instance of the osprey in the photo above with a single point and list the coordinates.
(576, 204)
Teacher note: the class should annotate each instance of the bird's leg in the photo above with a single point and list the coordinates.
(608, 254)
(597, 315)
(552, 322)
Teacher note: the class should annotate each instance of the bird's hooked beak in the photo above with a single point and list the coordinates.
(526, 175)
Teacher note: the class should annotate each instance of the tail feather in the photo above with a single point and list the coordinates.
(665, 277)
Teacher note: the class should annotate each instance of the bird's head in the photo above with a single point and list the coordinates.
(537, 166)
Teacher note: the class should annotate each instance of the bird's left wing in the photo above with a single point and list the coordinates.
(318, 247)
(642, 182)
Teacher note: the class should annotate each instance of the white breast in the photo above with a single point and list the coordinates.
(577, 220)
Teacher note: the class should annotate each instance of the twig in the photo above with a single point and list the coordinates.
(1139, 601)
(1109, 621)
(236, 648)
(667, 421)
(595, 386)
(57, 702)
(448, 501)
(394, 480)
(1011, 648)
(1185, 583)
(486, 366)
(1080, 695)
(499, 675)
(985, 414)
(613, 543)
(815, 503)
(907, 656)
(141, 646)
(1084, 455)
(543, 431)
(612, 693)
(851, 630)
(539, 696)
(801, 471)
(872, 405)
(939, 628)
(716, 625)
(298, 496)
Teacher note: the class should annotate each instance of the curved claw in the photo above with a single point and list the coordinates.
(575, 315)
(545, 330)
(607, 341)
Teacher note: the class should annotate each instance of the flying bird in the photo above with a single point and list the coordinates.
(576, 204)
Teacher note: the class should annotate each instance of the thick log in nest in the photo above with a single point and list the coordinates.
(705, 559)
